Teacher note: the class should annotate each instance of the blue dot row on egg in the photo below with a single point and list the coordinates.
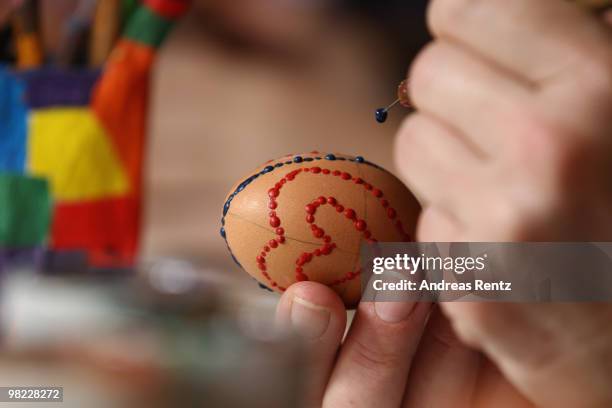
(234, 258)
(262, 286)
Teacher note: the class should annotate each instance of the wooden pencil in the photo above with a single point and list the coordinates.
(105, 31)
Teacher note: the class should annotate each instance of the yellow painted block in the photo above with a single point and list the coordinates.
(71, 149)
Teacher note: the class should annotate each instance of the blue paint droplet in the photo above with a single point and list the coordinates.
(359, 159)
(308, 159)
(222, 232)
(298, 159)
(330, 157)
(267, 169)
(278, 165)
(381, 115)
(226, 207)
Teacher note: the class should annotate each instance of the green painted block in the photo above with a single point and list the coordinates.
(147, 27)
(25, 210)
(128, 8)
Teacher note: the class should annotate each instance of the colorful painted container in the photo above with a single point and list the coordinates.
(80, 137)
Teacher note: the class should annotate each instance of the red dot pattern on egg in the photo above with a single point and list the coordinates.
(280, 179)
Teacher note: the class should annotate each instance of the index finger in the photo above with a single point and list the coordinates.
(374, 361)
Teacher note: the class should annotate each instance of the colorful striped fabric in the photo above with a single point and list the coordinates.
(77, 139)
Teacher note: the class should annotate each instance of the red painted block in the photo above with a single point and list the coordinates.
(108, 229)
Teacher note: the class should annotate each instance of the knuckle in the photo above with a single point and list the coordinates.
(449, 15)
(435, 225)
(372, 358)
(442, 13)
(408, 129)
(414, 126)
(512, 220)
(407, 141)
(427, 225)
(422, 72)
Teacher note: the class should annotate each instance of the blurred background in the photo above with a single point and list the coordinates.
(123, 126)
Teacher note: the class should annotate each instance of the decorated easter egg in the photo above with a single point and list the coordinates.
(304, 217)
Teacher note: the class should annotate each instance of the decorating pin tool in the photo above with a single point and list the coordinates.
(402, 98)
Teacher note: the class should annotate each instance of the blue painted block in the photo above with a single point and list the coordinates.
(13, 122)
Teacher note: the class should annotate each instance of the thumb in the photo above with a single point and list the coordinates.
(555, 354)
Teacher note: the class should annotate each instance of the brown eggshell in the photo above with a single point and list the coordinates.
(273, 256)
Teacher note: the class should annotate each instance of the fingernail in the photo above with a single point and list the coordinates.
(393, 312)
(308, 319)
(391, 308)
